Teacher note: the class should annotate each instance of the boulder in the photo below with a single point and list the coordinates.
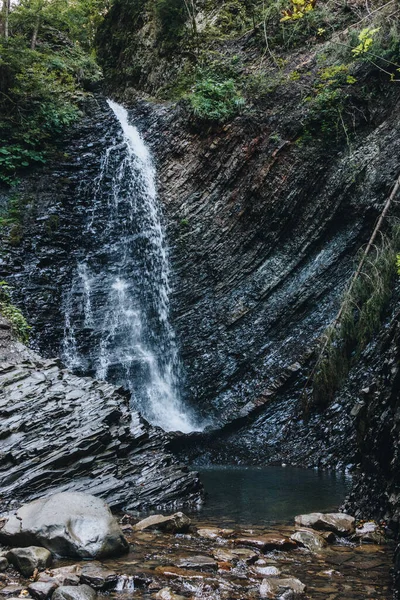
(176, 523)
(26, 560)
(310, 540)
(42, 590)
(271, 587)
(98, 577)
(72, 592)
(339, 523)
(69, 524)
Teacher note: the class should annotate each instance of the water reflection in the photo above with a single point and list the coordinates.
(261, 495)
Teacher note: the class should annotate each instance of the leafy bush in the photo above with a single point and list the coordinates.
(215, 101)
(171, 16)
(39, 91)
(13, 314)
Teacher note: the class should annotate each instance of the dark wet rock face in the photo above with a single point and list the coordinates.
(60, 432)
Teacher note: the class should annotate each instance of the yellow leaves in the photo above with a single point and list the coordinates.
(366, 39)
(320, 31)
(298, 9)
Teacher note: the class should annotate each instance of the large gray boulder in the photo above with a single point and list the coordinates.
(69, 524)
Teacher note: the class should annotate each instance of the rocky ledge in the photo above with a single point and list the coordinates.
(60, 432)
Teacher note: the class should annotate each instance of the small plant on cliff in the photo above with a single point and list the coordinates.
(13, 314)
(215, 102)
(361, 315)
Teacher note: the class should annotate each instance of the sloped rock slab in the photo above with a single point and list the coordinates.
(176, 523)
(310, 540)
(267, 542)
(339, 523)
(69, 524)
(60, 432)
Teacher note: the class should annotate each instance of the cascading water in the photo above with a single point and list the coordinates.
(117, 309)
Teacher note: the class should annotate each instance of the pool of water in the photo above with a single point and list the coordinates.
(267, 495)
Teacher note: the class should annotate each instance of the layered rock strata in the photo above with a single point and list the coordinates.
(60, 432)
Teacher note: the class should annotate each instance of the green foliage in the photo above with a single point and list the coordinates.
(215, 102)
(366, 39)
(328, 102)
(39, 91)
(171, 16)
(13, 314)
(361, 317)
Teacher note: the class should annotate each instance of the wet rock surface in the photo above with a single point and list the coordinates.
(166, 566)
(60, 432)
(26, 560)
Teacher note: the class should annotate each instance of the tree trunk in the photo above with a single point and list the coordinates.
(5, 11)
(35, 33)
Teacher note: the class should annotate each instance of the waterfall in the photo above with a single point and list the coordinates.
(117, 323)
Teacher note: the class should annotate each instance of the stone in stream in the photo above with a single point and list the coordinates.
(212, 533)
(69, 524)
(42, 590)
(339, 523)
(310, 540)
(176, 572)
(98, 577)
(271, 587)
(267, 542)
(197, 562)
(26, 560)
(176, 523)
(264, 571)
(11, 590)
(234, 555)
(62, 575)
(370, 532)
(78, 592)
(167, 594)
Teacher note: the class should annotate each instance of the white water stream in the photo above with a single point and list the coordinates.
(117, 313)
